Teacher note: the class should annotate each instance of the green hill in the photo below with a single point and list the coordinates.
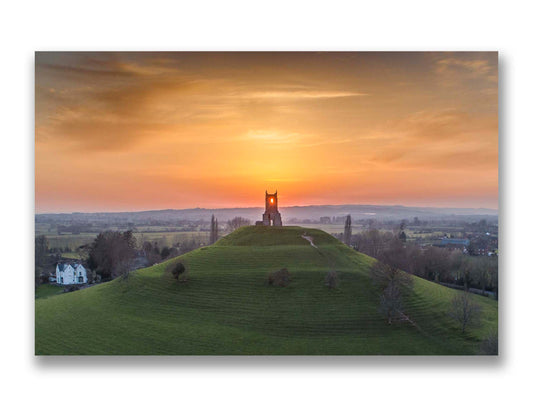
(227, 307)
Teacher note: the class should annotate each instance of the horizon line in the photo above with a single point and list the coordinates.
(260, 207)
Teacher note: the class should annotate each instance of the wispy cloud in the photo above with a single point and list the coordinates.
(459, 67)
(304, 94)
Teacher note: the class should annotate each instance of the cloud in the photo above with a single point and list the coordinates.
(476, 66)
(439, 138)
(435, 124)
(303, 94)
(460, 67)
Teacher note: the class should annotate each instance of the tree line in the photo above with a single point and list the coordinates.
(431, 263)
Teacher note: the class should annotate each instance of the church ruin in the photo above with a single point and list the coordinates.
(271, 217)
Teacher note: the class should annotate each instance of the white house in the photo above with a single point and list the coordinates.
(67, 273)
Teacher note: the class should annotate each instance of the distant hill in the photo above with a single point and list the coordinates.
(227, 307)
(299, 212)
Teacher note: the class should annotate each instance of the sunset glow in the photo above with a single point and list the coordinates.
(137, 131)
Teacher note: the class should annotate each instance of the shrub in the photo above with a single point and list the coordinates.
(489, 346)
(280, 278)
(177, 270)
(332, 279)
(70, 288)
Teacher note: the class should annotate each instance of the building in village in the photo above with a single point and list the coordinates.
(67, 274)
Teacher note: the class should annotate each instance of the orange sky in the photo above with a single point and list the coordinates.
(137, 131)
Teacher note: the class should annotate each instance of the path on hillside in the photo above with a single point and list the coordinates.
(329, 261)
(310, 240)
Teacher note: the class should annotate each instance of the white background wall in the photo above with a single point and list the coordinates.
(274, 25)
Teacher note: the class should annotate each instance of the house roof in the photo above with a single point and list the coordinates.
(64, 266)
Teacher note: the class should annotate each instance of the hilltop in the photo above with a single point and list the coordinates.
(227, 307)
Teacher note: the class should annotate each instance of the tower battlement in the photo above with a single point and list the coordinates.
(271, 217)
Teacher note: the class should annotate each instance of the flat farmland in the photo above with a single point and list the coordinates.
(72, 241)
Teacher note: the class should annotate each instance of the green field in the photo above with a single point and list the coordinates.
(226, 306)
(47, 290)
(73, 241)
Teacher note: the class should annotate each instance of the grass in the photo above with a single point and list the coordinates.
(70, 255)
(47, 290)
(227, 307)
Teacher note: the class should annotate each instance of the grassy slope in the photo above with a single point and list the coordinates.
(47, 290)
(226, 307)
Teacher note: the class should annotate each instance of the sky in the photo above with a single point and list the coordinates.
(141, 131)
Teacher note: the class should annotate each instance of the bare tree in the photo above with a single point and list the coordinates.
(436, 263)
(383, 275)
(489, 346)
(391, 301)
(370, 242)
(484, 271)
(467, 271)
(464, 310)
(393, 284)
(237, 222)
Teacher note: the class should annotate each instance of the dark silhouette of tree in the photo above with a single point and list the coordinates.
(467, 271)
(402, 236)
(165, 252)
(41, 250)
(177, 270)
(41, 254)
(213, 235)
(437, 264)
(348, 231)
(484, 271)
(111, 254)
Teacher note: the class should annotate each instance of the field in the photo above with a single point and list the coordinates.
(47, 290)
(73, 241)
(412, 232)
(226, 306)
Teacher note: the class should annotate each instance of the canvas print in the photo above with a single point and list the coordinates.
(266, 203)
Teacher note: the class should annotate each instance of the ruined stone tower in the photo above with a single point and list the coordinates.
(271, 217)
